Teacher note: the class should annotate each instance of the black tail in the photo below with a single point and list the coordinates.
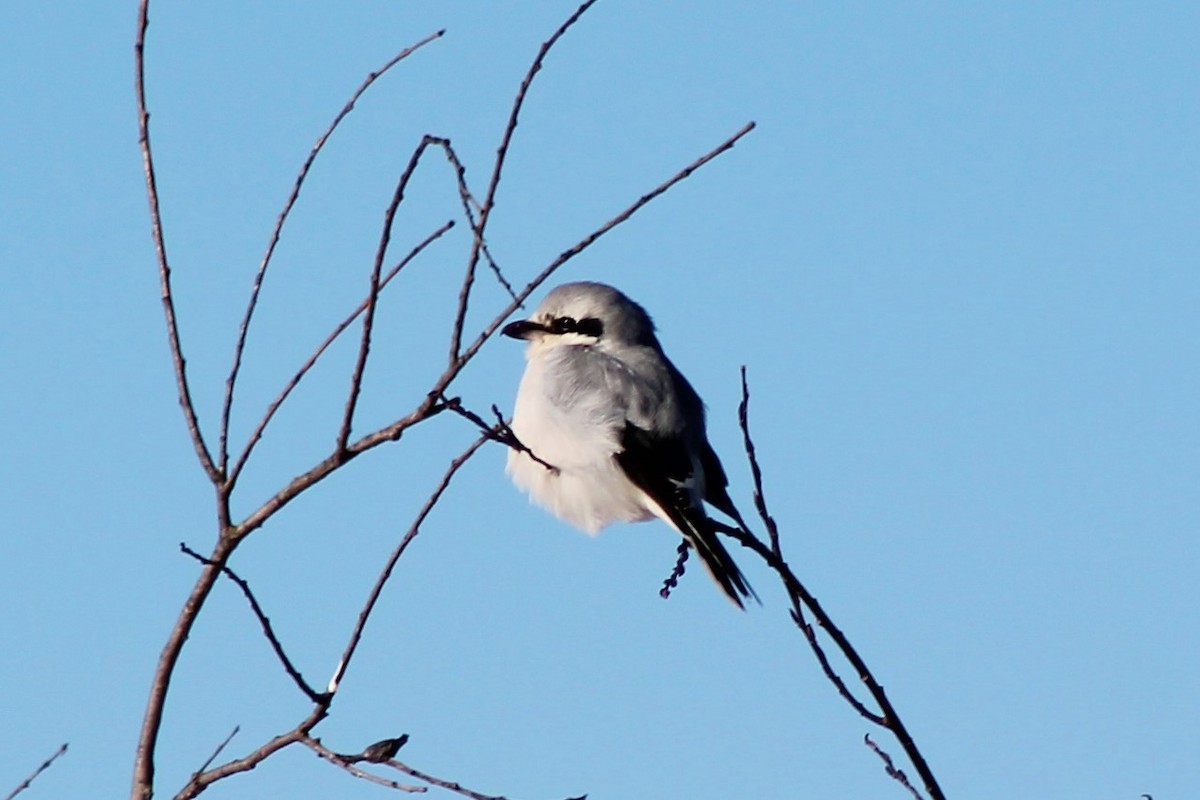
(702, 536)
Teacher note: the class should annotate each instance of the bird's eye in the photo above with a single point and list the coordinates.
(564, 325)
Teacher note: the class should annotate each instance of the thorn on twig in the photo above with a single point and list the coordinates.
(384, 749)
(677, 572)
(896, 774)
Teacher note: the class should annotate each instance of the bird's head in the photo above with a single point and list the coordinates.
(585, 314)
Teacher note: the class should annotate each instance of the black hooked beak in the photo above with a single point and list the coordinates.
(523, 329)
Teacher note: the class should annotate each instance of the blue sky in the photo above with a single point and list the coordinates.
(958, 256)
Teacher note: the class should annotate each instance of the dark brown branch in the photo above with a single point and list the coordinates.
(489, 201)
(890, 768)
(277, 231)
(381, 581)
(800, 596)
(312, 359)
(265, 623)
(160, 249)
(25, 784)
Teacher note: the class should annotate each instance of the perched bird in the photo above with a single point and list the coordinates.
(616, 432)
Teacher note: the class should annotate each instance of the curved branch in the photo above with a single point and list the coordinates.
(888, 717)
(160, 249)
(489, 200)
(256, 289)
(321, 348)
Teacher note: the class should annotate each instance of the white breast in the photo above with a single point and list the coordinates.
(587, 488)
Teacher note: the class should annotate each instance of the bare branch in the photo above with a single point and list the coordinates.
(267, 629)
(160, 249)
(243, 330)
(890, 768)
(800, 596)
(217, 752)
(470, 205)
(312, 360)
(578, 248)
(489, 201)
(500, 432)
(203, 780)
(347, 763)
(143, 772)
(364, 347)
(760, 502)
(25, 784)
(381, 581)
(429, 406)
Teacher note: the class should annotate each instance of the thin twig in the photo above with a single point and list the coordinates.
(760, 502)
(217, 752)
(890, 768)
(268, 631)
(347, 764)
(429, 406)
(501, 432)
(277, 231)
(489, 200)
(888, 717)
(160, 250)
(23, 785)
(368, 325)
(579, 247)
(312, 359)
(203, 780)
(451, 786)
(470, 205)
(456, 464)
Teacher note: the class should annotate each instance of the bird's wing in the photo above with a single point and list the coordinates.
(716, 485)
(663, 468)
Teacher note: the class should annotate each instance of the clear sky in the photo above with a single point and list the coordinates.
(959, 256)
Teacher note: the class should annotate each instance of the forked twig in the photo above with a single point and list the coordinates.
(330, 339)
(802, 598)
(277, 231)
(429, 406)
(224, 743)
(267, 629)
(45, 765)
(386, 573)
(231, 534)
(489, 200)
(500, 432)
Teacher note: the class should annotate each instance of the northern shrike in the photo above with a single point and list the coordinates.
(620, 430)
